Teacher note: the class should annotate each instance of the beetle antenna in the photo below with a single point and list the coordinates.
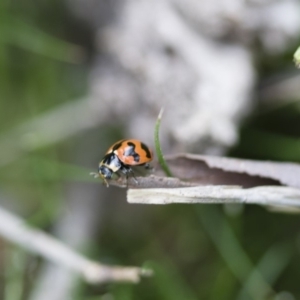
(95, 175)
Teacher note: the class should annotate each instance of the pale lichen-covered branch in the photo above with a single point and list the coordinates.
(263, 195)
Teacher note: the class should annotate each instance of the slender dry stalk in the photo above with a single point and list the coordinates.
(278, 196)
(17, 231)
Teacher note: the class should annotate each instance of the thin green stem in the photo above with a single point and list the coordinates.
(297, 57)
(159, 153)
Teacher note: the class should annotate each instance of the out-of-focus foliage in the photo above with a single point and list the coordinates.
(38, 72)
(273, 134)
(41, 67)
(297, 57)
(197, 252)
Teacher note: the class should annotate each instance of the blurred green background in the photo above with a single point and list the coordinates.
(197, 252)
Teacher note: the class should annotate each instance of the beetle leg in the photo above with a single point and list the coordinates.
(132, 174)
(105, 182)
(128, 171)
(147, 166)
(96, 175)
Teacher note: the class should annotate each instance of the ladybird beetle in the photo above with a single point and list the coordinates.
(121, 156)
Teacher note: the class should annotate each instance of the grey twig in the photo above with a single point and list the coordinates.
(278, 196)
(16, 230)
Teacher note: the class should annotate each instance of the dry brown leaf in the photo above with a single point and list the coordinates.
(212, 170)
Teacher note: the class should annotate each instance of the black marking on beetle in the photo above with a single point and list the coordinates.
(111, 161)
(108, 158)
(146, 149)
(117, 146)
(130, 151)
